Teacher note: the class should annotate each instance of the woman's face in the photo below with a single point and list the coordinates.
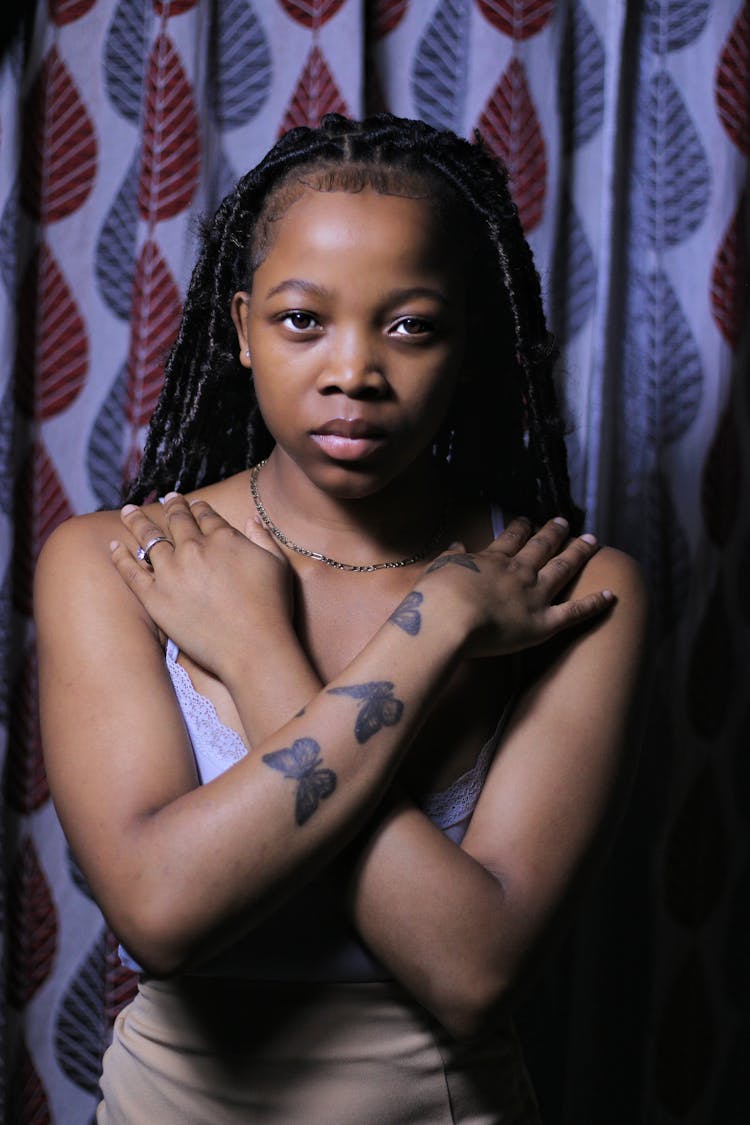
(356, 328)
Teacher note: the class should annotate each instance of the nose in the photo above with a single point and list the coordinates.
(353, 367)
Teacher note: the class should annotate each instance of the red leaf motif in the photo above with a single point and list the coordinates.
(386, 15)
(32, 935)
(67, 11)
(316, 94)
(28, 1097)
(169, 8)
(510, 127)
(40, 505)
(729, 280)
(170, 162)
(58, 152)
(153, 326)
(26, 786)
(312, 14)
(52, 355)
(733, 81)
(722, 480)
(120, 984)
(520, 19)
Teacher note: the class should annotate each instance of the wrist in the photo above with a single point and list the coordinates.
(451, 617)
(262, 656)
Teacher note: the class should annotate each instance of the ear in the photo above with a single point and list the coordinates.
(239, 310)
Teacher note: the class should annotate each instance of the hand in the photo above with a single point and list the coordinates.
(210, 588)
(510, 587)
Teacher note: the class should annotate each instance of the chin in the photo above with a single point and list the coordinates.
(352, 482)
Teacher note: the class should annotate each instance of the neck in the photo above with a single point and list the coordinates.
(395, 521)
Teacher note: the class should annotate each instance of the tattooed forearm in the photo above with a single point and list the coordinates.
(378, 707)
(456, 560)
(406, 615)
(302, 763)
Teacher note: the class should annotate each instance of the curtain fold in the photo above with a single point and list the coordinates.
(626, 128)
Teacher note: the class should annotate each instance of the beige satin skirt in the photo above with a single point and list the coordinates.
(201, 1051)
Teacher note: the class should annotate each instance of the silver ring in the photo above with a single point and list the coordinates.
(143, 553)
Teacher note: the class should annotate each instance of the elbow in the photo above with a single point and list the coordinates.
(155, 940)
(473, 1007)
(154, 956)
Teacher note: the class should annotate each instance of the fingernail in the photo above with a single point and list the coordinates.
(560, 521)
(128, 509)
(608, 595)
(171, 495)
(114, 544)
(589, 538)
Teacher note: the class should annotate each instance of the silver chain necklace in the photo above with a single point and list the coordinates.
(353, 568)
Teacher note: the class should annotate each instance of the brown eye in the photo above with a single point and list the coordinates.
(412, 326)
(299, 321)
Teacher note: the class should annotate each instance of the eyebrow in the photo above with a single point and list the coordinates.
(299, 283)
(319, 291)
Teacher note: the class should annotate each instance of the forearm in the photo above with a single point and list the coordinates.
(276, 682)
(255, 833)
(434, 916)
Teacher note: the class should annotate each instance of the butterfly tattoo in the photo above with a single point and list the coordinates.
(302, 763)
(378, 707)
(406, 615)
(457, 560)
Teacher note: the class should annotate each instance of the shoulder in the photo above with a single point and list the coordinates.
(78, 547)
(229, 497)
(613, 569)
(613, 645)
(616, 571)
(75, 579)
(610, 560)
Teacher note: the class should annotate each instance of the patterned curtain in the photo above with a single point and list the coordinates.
(626, 127)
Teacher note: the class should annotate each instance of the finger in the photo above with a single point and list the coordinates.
(180, 519)
(137, 577)
(512, 538)
(563, 567)
(545, 542)
(206, 517)
(261, 537)
(144, 530)
(565, 615)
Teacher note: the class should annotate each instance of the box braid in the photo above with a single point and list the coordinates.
(504, 436)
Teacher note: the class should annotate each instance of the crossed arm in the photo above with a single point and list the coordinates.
(182, 870)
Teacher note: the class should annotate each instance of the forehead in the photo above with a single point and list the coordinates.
(362, 230)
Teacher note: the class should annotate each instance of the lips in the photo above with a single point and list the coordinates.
(349, 428)
(348, 439)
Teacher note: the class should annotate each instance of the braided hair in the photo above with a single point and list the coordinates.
(503, 438)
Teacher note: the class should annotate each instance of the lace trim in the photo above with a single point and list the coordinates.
(452, 805)
(211, 738)
(455, 804)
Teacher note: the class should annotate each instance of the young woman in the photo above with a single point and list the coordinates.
(336, 728)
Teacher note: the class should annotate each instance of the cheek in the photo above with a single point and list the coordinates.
(434, 405)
